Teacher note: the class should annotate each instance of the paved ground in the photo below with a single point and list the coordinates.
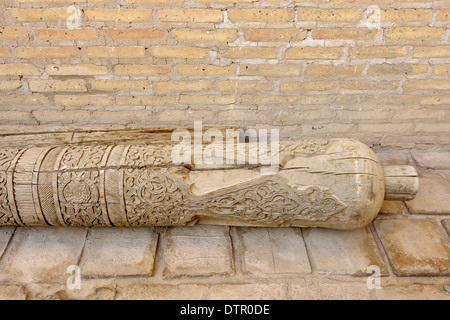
(408, 246)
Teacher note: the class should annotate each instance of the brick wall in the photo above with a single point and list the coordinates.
(313, 69)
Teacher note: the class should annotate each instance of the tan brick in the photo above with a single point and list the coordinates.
(119, 85)
(427, 85)
(128, 116)
(65, 34)
(14, 116)
(146, 100)
(47, 52)
(344, 33)
(329, 70)
(397, 68)
(177, 86)
(4, 52)
(34, 15)
(56, 85)
(249, 53)
(19, 70)
(414, 33)
(6, 85)
(190, 15)
(441, 69)
(379, 52)
(270, 70)
(244, 85)
(369, 85)
(284, 35)
(313, 53)
(142, 70)
(317, 99)
(331, 15)
(75, 69)
(192, 70)
(308, 86)
(416, 114)
(83, 100)
(120, 15)
(189, 35)
(114, 52)
(443, 15)
(45, 116)
(435, 100)
(152, 1)
(135, 34)
(261, 15)
(13, 33)
(406, 15)
(29, 99)
(178, 52)
(208, 99)
(250, 99)
(432, 52)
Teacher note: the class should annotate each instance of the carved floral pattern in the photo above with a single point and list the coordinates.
(6, 157)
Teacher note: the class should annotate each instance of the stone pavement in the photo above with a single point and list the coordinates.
(408, 246)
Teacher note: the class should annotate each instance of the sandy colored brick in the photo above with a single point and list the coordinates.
(42, 254)
(369, 85)
(344, 33)
(209, 70)
(135, 255)
(208, 99)
(330, 70)
(273, 251)
(83, 100)
(65, 34)
(34, 15)
(427, 85)
(406, 15)
(76, 70)
(178, 52)
(415, 246)
(432, 52)
(13, 33)
(250, 99)
(391, 208)
(435, 100)
(29, 99)
(46, 52)
(198, 251)
(7, 85)
(114, 52)
(261, 15)
(308, 86)
(119, 85)
(441, 69)
(194, 35)
(326, 53)
(396, 69)
(270, 35)
(15, 116)
(146, 100)
(56, 85)
(433, 196)
(47, 116)
(135, 34)
(125, 115)
(4, 52)
(243, 85)
(177, 86)
(190, 15)
(378, 52)
(414, 33)
(249, 53)
(443, 15)
(118, 15)
(329, 15)
(432, 159)
(142, 70)
(270, 70)
(343, 252)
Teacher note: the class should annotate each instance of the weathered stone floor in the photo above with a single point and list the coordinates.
(409, 243)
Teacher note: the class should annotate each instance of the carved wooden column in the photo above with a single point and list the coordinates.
(333, 184)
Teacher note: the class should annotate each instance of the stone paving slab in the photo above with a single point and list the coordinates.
(391, 209)
(198, 251)
(141, 291)
(250, 291)
(119, 252)
(415, 246)
(433, 196)
(434, 160)
(446, 224)
(42, 254)
(12, 292)
(273, 251)
(312, 289)
(5, 237)
(343, 252)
